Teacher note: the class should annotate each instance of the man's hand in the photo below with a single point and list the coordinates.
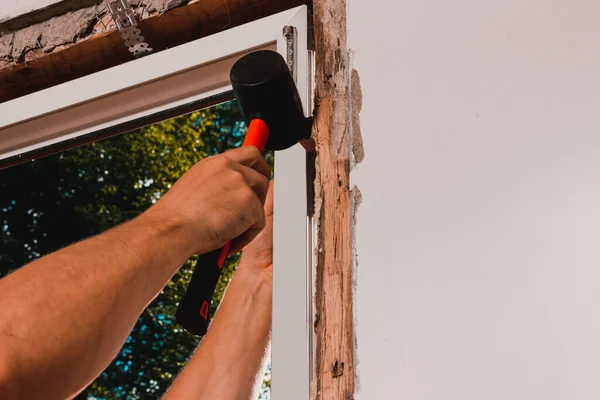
(217, 200)
(230, 362)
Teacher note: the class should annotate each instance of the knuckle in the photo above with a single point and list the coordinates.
(226, 163)
(248, 196)
(251, 150)
(266, 171)
(262, 161)
(222, 162)
(236, 177)
(263, 181)
(266, 181)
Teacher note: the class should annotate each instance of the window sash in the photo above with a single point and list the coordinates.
(141, 87)
(145, 91)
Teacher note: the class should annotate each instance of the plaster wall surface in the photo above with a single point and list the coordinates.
(478, 236)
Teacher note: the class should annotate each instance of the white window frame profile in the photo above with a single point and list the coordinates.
(173, 78)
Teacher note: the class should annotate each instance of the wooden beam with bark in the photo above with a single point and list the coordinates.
(334, 364)
(83, 41)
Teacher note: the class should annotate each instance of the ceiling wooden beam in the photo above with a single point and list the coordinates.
(82, 42)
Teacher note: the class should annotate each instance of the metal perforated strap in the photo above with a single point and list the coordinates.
(126, 23)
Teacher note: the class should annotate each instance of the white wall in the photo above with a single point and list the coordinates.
(479, 232)
(12, 8)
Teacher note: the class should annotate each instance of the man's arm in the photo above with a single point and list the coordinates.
(230, 361)
(64, 317)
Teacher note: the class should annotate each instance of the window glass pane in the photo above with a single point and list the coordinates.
(54, 201)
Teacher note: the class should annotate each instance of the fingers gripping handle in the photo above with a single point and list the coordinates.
(193, 310)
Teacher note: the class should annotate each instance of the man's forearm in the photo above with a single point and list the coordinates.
(65, 316)
(230, 361)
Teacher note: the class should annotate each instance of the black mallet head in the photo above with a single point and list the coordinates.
(265, 89)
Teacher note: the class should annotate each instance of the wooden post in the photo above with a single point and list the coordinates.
(334, 364)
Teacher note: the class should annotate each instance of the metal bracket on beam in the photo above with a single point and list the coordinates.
(126, 23)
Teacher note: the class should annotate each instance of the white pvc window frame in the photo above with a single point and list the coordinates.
(182, 75)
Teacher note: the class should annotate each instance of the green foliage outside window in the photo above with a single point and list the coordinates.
(52, 202)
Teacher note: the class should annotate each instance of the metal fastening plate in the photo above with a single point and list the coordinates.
(126, 23)
(290, 53)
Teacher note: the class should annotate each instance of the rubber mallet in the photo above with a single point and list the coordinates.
(269, 101)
